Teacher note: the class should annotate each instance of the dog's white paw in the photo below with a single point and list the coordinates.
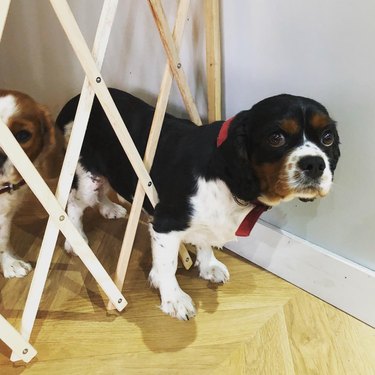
(174, 301)
(13, 267)
(178, 305)
(112, 210)
(214, 271)
(68, 247)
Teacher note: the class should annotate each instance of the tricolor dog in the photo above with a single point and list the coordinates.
(209, 178)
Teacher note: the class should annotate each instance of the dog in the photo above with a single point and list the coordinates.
(208, 178)
(34, 129)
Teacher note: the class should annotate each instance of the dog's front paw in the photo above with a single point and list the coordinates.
(13, 267)
(174, 301)
(215, 271)
(112, 210)
(178, 305)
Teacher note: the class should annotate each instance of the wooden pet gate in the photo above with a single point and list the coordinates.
(94, 84)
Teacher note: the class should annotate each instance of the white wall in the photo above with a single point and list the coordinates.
(36, 57)
(324, 50)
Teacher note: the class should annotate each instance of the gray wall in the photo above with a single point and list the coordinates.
(321, 49)
(324, 50)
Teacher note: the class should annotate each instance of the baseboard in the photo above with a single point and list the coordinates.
(336, 280)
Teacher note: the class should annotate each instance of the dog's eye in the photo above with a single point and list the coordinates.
(327, 139)
(276, 140)
(22, 136)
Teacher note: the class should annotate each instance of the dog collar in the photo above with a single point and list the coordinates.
(251, 218)
(9, 188)
(223, 133)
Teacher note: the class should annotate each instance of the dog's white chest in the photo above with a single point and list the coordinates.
(9, 201)
(216, 216)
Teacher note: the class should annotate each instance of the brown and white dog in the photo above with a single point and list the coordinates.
(32, 126)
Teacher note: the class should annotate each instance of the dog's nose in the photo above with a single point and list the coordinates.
(312, 166)
(3, 159)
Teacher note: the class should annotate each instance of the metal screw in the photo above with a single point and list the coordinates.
(25, 351)
(62, 218)
(179, 65)
(98, 79)
(187, 259)
(150, 183)
(119, 300)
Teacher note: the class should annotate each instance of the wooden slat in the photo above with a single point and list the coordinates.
(58, 215)
(83, 54)
(67, 172)
(10, 336)
(174, 60)
(152, 143)
(4, 9)
(213, 59)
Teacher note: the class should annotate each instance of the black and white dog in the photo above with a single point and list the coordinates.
(208, 178)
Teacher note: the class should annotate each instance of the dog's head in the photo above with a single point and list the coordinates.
(31, 125)
(285, 147)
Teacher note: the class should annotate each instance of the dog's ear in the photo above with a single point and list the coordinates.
(48, 127)
(335, 151)
(236, 152)
(52, 153)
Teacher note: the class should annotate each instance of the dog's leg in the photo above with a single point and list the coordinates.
(209, 267)
(91, 190)
(86, 194)
(107, 208)
(11, 266)
(174, 301)
(75, 208)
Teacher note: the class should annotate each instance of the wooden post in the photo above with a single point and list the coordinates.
(213, 59)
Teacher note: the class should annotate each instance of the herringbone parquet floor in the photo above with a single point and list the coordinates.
(255, 324)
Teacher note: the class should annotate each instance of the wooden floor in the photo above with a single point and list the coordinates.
(255, 324)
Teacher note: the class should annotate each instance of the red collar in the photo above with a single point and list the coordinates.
(223, 134)
(252, 217)
(9, 188)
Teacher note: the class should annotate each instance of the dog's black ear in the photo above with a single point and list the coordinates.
(335, 151)
(236, 152)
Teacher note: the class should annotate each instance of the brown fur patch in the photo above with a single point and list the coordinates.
(290, 126)
(273, 180)
(320, 121)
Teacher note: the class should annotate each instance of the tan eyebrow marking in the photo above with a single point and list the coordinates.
(290, 126)
(320, 121)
